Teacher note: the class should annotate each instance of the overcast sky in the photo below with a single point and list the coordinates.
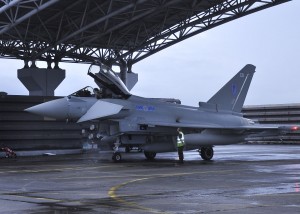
(198, 67)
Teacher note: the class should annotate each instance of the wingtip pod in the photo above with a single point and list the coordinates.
(289, 128)
(99, 110)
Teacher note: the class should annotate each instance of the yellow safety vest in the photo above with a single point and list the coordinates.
(180, 141)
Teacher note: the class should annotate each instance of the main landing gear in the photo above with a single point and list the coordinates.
(150, 155)
(116, 157)
(206, 153)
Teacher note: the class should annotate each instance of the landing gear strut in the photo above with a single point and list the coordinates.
(206, 153)
(117, 155)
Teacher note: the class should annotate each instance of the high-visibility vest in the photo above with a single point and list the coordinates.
(180, 141)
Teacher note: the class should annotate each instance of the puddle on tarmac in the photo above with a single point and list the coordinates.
(279, 189)
(286, 169)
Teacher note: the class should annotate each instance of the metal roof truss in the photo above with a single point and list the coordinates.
(111, 30)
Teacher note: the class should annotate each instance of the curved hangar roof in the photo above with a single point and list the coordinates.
(82, 30)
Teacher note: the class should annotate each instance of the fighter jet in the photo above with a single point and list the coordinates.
(121, 119)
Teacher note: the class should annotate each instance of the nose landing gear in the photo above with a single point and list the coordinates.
(116, 157)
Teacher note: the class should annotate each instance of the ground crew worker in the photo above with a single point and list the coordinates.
(180, 144)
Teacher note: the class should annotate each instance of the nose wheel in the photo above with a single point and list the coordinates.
(117, 157)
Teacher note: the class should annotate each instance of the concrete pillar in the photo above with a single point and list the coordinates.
(41, 81)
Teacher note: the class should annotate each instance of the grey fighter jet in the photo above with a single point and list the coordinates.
(149, 124)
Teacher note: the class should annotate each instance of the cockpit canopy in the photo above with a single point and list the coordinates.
(108, 79)
(87, 91)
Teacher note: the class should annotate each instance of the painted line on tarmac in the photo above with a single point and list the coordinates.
(52, 170)
(113, 195)
(30, 197)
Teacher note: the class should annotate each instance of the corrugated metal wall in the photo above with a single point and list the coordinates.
(24, 131)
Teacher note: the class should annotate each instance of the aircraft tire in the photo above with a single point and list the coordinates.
(117, 157)
(206, 153)
(150, 155)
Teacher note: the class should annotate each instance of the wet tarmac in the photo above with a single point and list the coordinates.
(240, 179)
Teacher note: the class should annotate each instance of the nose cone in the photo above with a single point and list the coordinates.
(57, 109)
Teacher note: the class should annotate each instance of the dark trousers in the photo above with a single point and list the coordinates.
(180, 153)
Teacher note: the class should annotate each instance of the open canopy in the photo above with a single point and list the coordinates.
(104, 76)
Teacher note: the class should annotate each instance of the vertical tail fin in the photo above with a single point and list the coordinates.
(233, 94)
